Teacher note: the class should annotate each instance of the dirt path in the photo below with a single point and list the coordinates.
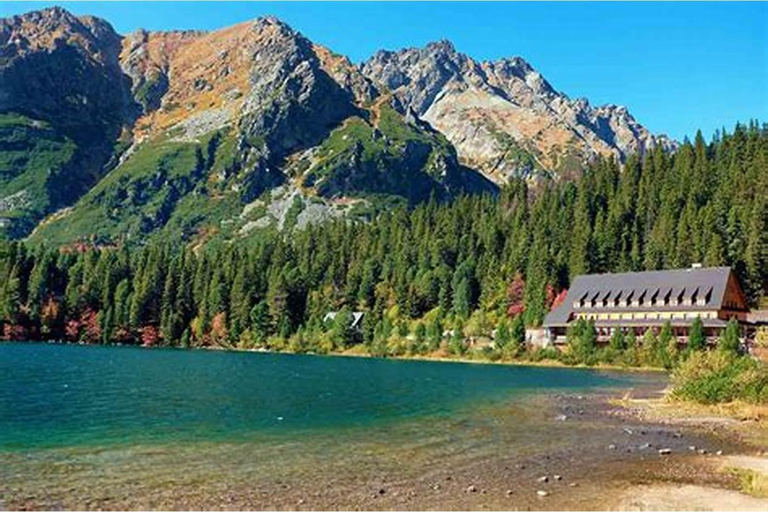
(700, 497)
(688, 497)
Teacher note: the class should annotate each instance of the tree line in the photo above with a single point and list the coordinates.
(427, 278)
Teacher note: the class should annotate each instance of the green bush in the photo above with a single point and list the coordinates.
(547, 353)
(582, 339)
(719, 377)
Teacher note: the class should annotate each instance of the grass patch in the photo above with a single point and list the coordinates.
(166, 188)
(393, 157)
(751, 482)
(719, 377)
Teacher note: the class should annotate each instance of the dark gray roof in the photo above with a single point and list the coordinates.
(709, 283)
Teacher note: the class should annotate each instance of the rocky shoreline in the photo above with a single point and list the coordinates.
(623, 461)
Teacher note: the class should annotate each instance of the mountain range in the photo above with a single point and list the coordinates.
(195, 135)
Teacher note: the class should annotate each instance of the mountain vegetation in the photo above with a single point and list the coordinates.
(217, 136)
(437, 277)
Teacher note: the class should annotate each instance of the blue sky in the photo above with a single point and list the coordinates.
(677, 66)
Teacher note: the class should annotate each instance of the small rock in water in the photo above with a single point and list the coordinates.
(301, 501)
(719, 452)
(628, 431)
(382, 491)
(702, 451)
(645, 446)
(665, 451)
(436, 487)
(611, 446)
(279, 418)
(472, 488)
(572, 484)
(510, 492)
(558, 477)
(542, 493)
(678, 435)
(544, 479)
(561, 417)
(692, 448)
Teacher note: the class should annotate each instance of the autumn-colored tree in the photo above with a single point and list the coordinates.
(219, 328)
(50, 315)
(515, 294)
(150, 335)
(559, 299)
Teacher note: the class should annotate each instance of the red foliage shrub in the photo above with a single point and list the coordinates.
(559, 298)
(150, 335)
(14, 332)
(89, 321)
(219, 327)
(515, 293)
(72, 330)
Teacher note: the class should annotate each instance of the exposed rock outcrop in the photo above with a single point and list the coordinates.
(503, 117)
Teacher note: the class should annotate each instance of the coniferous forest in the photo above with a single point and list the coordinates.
(428, 278)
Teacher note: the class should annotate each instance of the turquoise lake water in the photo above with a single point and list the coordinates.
(122, 427)
(58, 395)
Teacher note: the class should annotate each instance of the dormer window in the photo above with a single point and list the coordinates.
(655, 298)
(616, 300)
(703, 299)
(628, 299)
(691, 299)
(639, 299)
(679, 297)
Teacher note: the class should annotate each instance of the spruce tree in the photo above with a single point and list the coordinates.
(696, 338)
(729, 341)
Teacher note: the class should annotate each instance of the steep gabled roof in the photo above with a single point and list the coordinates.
(711, 282)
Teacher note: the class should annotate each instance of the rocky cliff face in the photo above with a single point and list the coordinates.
(503, 117)
(193, 133)
(215, 120)
(63, 105)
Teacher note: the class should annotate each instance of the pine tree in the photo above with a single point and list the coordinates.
(696, 338)
(617, 340)
(650, 349)
(730, 342)
(518, 333)
(668, 346)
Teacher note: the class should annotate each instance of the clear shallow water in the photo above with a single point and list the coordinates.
(59, 395)
(135, 428)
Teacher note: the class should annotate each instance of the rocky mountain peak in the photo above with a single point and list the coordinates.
(53, 28)
(270, 21)
(503, 116)
(264, 104)
(441, 47)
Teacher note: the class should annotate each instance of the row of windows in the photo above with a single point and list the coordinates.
(685, 315)
(655, 299)
(625, 304)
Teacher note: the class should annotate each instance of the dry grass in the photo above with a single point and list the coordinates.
(752, 482)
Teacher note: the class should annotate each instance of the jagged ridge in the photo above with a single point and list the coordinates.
(195, 128)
